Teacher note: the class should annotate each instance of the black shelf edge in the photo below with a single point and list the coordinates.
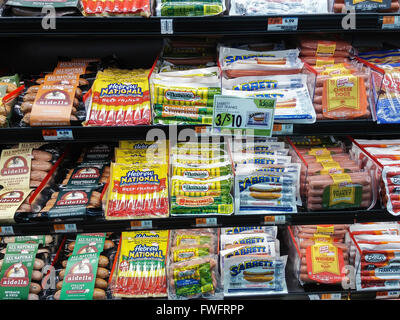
(80, 133)
(100, 224)
(219, 25)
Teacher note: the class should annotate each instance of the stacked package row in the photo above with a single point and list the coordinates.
(266, 181)
(374, 254)
(9, 90)
(78, 195)
(138, 186)
(84, 266)
(26, 169)
(385, 86)
(383, 157)
(119, 97)
(251, 263)
(24, 262)
(201, 179)
(330, 178)
(321, 253)
(184, 83)
(57, 98)
(272, 74)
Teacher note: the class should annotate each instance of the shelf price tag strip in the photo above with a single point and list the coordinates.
(57, 134)
(65, 228)
(390, 22)
(206, 222)
(283, 24)
(325, 296)
(278, 219)
(141, 224)
(167, 26)
(6, 231)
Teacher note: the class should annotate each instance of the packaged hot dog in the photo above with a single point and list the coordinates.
(269, 230)
(341, 6)
(141, 270)
(272, 7)
(189, 8)
(241, 63)
(114, 8)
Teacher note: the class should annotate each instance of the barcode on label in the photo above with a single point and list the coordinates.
(6, 231)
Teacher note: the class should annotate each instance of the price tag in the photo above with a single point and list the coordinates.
(246, 116)
(280, 219)
(206, 222)
(57, 134)
(65, 228)
(325, 296)
(6, 231)
(282, 129)
(141, 224)
(283, 24)
(387, 294)
(391, 22)
(167, 26)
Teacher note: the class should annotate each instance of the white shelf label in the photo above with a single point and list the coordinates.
(279, 219)
(283, 24)
(57, 134)
(325, 296)
(65, 228)
(142, 224)
(391, 22)
(6, 231)
(206, 222)
(167, 26)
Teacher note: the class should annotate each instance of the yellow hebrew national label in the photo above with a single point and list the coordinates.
(318, 151)
(15, 168)
(323, 157)
(10, 201)
(326, 48)
(339, 191)
(330, 167)
(53, 105)
(343, 92)
(322, 61)
(326, 229)
(324, 257)
(62, 79)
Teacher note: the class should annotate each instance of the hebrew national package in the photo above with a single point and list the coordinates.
(137, 191)
(141, 270)
(119, 98)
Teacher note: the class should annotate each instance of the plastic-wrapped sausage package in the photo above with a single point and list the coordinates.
(251, 263)
(245, 63)
(385, 88)
(202, 179)
(261, 184)
(141, 268)
(79, 192)
(271, 7)
(343, 91)
(84, 267)
(341, 6)
(185, 97)
(320, 253)
(193, 265)
(331, 179)
(319, 53)
(293, 101)
(23, 264)
(116, 8)
(376, 253)
(189, 8)
(119, 97)
(25, 168)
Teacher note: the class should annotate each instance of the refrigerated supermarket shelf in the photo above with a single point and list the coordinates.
(220, 25)
(86, 134)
